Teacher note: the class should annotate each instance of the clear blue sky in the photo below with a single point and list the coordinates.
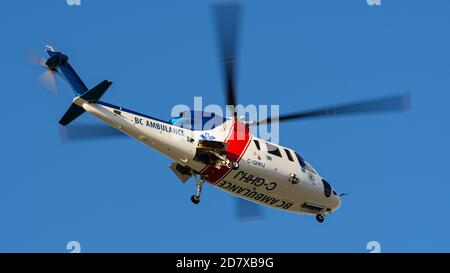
(117, 195)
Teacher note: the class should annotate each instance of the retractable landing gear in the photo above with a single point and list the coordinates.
(196, 198)
(320, 218)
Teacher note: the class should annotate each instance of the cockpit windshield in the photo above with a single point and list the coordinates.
(305, 165)
(197, 120)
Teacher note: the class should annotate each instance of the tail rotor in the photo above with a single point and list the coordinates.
(46, 79)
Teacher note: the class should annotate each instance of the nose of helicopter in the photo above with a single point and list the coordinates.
(332, 203)
(335, 201)
(332, 198)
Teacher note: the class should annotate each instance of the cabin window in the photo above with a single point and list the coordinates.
(257, 144)
(289, 155)
(272, 149)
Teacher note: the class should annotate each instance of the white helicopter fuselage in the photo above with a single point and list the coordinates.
(268, 174)
(226, 155)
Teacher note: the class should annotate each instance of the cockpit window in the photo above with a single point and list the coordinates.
(301, 160)
(327, 188)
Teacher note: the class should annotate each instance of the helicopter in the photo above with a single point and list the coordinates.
(226, 155)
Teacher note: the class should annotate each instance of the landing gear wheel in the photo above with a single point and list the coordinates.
(320, 218)
(195, 199)
(234, 165)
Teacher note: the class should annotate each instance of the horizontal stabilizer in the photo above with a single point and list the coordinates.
(71, 114)
(97, 92)
(92, 96)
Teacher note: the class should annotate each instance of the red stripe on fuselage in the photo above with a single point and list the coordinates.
(238, 141)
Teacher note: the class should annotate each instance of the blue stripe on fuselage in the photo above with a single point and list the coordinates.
(131, 111)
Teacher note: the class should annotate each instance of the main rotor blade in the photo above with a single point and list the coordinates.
(246, 210)
(384, 104)
(78, 132)
(227, 21)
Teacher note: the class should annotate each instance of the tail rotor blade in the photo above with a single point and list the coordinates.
(33, 58)
(47, 81)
